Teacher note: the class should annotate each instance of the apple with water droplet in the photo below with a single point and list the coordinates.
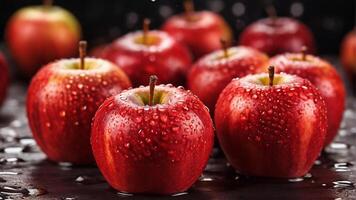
(322, 75)
(62, 100)
(144, 53)
(37, 35)
(275, 35)
(210, 74)
(153, 140)
(201, 31)
(271, 125)
(4, 78)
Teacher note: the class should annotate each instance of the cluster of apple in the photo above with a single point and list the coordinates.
(158, 138)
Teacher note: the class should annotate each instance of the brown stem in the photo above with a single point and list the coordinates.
(304, 53)
(271, 75)
(146, 29)
(82, 53)
(47, 3)
(189, 9)
(225, 47)
(153, 81)
(271, 12)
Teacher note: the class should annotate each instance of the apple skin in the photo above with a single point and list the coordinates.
(214, 73)
(167, 59)
(323, 76)
(276, 131)
(61, 103)
(160, 149)
(201, 35)
(37, 35)
(287, 35)
(348, 53)
(4, 78)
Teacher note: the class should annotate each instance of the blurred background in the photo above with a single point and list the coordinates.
(102, 22)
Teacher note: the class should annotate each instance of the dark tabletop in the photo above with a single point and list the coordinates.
(25, 172)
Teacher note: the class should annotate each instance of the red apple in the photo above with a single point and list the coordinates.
(271, 130)
(323, 76)
(348, 56)
(62, 100)
(4, 78)
(37, 35)
(278, 35)
(154, 141)
(200, 31)
(143, 53)
(210, 74)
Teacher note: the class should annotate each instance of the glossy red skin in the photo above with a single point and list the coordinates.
(289, 35)
(323, 76)
(209, 76)
(65, 136)
(168, 60)
(203, 35)
(36, 42)
(276, 131)
(4, 78)
(161, 149)
(348, 52)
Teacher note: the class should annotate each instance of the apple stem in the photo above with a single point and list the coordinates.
(47, 3)
(153, 81)
(225, 45)
(146, 28)
(82, 53)
(304, 53)
(271, 12)
(271, 75)
(189, 9)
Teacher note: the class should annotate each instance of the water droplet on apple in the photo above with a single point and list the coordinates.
(254, 96)
(62, 113)
(48, 124)
(127, 145)
(146, 108)
(80, 86)
(138, 119)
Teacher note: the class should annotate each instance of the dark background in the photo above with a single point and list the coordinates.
(103, 21)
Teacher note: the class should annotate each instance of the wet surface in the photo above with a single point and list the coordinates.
(25, 172)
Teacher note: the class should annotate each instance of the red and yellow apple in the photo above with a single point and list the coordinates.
(37, 35)
(271, 126)
(144, 53)
(154, 140)
(62, 100)
(201, 31)
(210, 74)
(323, 76)
(275, 35)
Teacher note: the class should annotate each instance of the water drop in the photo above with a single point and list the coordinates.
(62, 113)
